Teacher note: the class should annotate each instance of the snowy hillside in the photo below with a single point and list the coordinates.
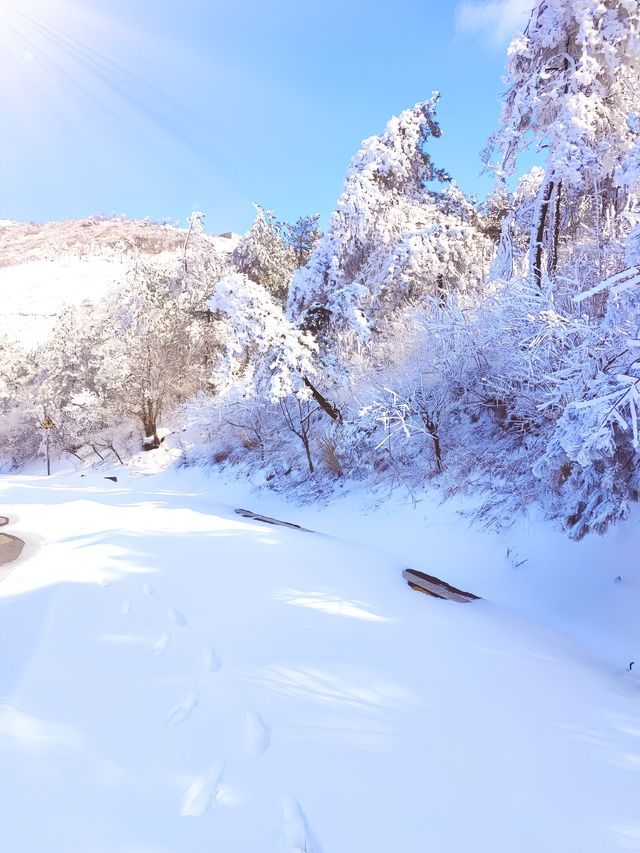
(47, 267)
(185, 680)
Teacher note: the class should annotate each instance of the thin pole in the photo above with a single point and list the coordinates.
(48, 461)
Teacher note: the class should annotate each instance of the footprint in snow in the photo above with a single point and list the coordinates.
(201, 792)
(257, 734)
(182, 710)
(126, 608)
(296, 835)
(176, 617)
(210, 661)
(160, 644)
(147, 588)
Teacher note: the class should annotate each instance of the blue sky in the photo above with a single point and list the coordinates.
(159, 107)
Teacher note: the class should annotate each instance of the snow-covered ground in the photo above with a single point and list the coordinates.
(177, 679)
(34, 294)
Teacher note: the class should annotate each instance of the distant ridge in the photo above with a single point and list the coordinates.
(101, 236)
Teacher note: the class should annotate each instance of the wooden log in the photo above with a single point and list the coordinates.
(247, 513)
(422, 589)
(436, 587)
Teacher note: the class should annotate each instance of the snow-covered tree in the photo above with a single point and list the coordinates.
(141, 351)
(514, 220)
(573, 85)
(19, 438)
(194, 233)
(264, 256)
(629, 180)
(302, 236)
(263, 350)
(160, 354)
(391, 237)
(14, 370)
(591, 459)
(266, 358)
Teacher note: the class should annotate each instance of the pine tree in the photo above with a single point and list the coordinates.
(302, 236)
(391, 238)
(264, 256)
(573, 83)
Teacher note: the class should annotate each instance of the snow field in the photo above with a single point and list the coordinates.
(176, 679)
(34, 294)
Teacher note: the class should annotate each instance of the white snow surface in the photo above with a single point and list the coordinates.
(34, 294)
(175, 678)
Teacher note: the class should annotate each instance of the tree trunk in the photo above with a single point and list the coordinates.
(432, 429)
(553, 258)
(539, 241)
(305, 442)
(333, 411)
(149, 415)
(118, 457)
(553, 246)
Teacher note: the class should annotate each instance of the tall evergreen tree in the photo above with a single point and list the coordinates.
(573, 84)
(391, 238)
(264, 256)
(302, 236)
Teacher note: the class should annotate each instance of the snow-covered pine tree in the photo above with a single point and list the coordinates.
(573, 87)
(264, 256)
(391, 238)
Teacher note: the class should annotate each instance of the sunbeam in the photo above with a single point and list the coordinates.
(63, 60)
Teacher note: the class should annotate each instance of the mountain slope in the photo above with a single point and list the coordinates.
(47, 267)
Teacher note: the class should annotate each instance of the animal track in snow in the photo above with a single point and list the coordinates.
(147, 588)
(201, 792)
(126, 607)
(160, 644)
(176, 617)
(257, 735)
(296, 834)
(182, 709)
(210, 661)
(197, 798)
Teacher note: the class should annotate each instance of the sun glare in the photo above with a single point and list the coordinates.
(31, 30)
(67, 61)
